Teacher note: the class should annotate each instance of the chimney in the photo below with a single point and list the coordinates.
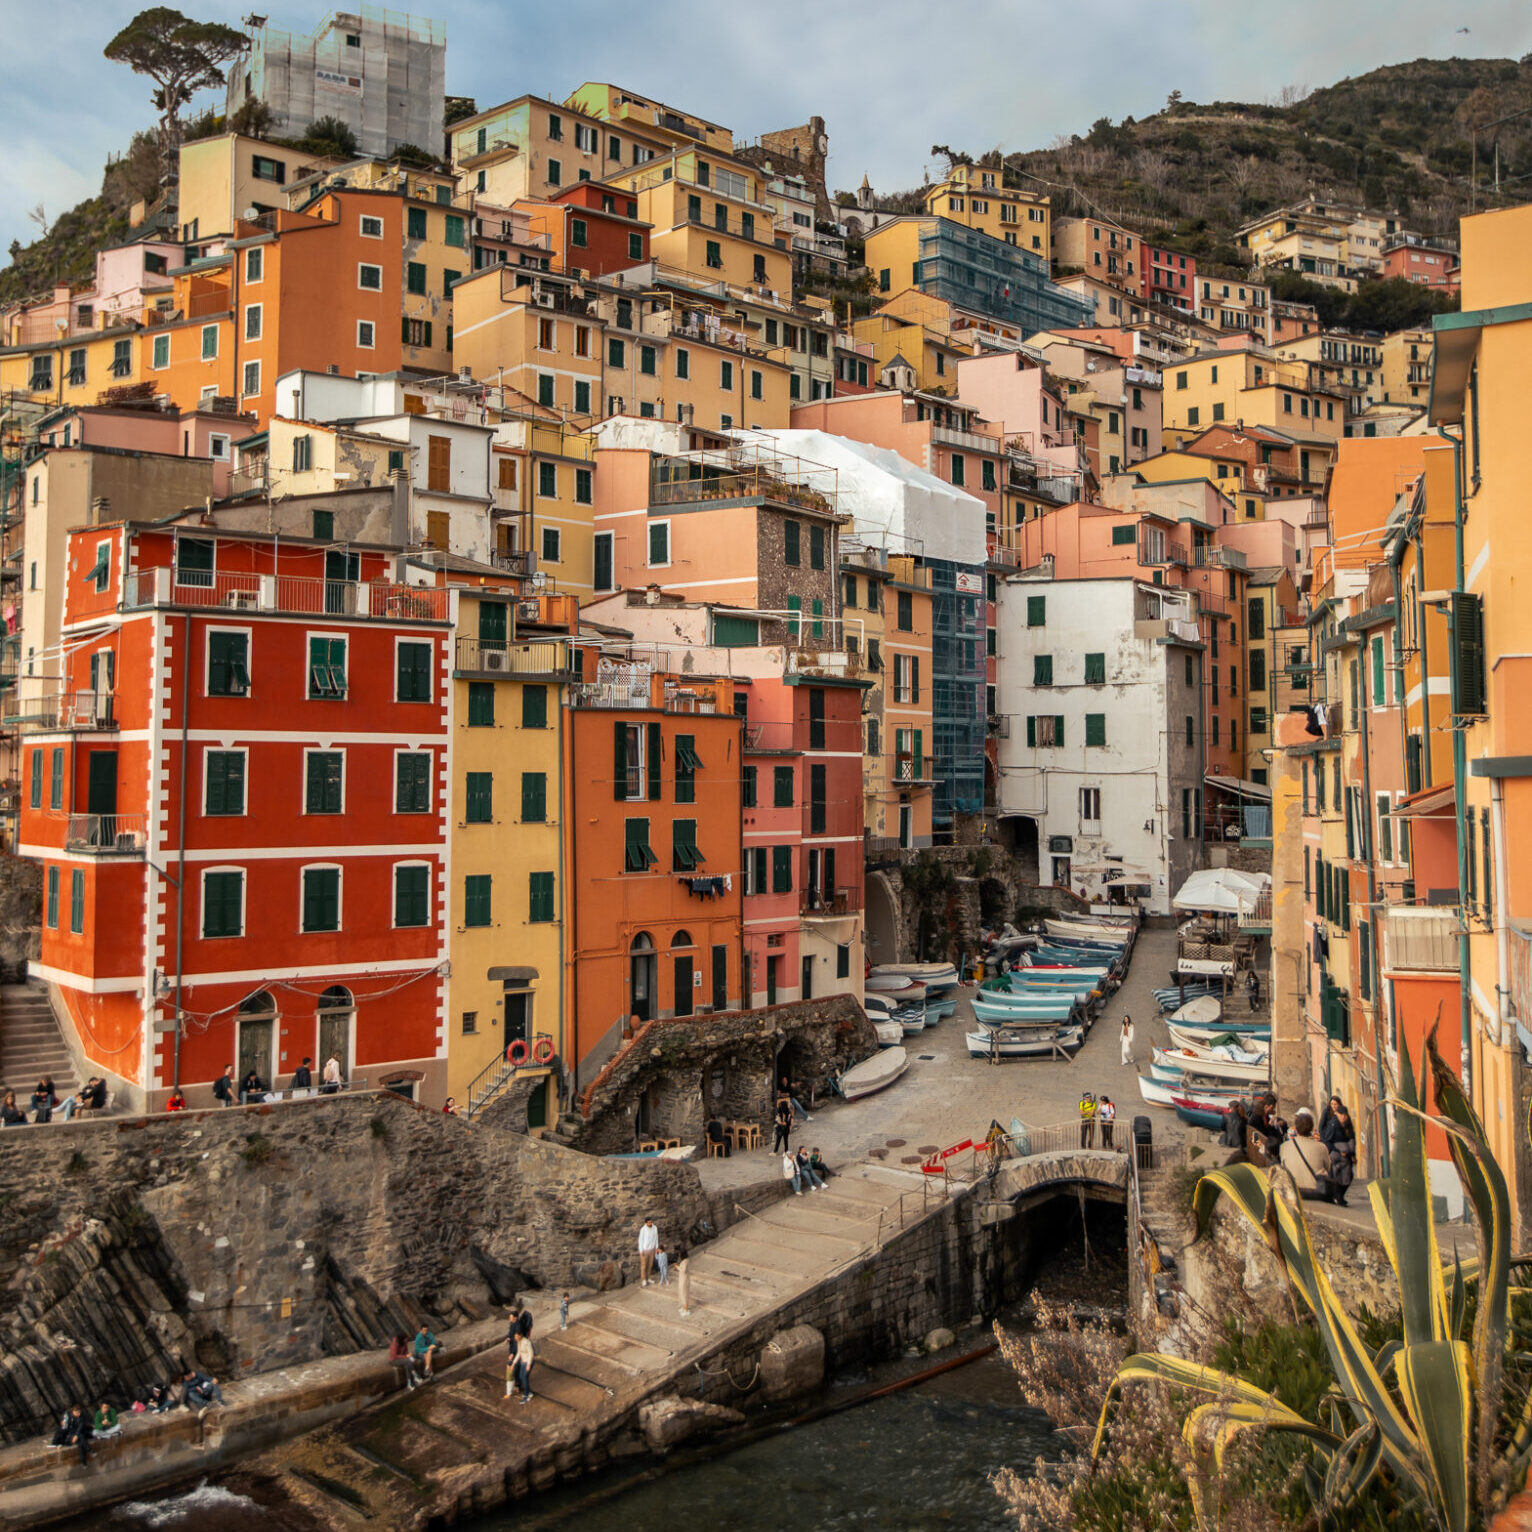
(100, 510)
(399, 511)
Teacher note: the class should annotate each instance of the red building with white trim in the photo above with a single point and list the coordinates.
(260, 722)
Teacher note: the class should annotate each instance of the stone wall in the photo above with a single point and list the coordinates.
(255, 1238)
(675, 1074)
(21, 912)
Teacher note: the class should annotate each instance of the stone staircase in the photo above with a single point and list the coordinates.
(31, 1045)
(457, 1446)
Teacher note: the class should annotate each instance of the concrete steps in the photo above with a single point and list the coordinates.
(31, 1046)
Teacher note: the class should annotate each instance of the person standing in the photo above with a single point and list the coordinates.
(1127, 1041)
(784, 1122)
(223, 1086)
(1106, 1115)
(648, 1243)
(1342, 1146)
(662, 1261)
(684, 1280)
(1253, 990)
(564, 1312)
(303, 1076)
(1087, 1120)
(331, 1076)
(525, 1357)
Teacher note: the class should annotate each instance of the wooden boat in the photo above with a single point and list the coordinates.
(885, 1005)
(1071, 932)
(1204, 1011)
(898, 985)
(911, 1023)
(1017, 1045)
(890, 1033)
(874, 1074)
(938, 1006)
(1174, 1064)
(942, 975)
(1253, 1038)
(1158, 1093)
(683, 1153)
(1200, 1117)
(1247, 1046)
(999, 1011)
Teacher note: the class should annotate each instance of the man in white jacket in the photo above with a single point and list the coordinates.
(648, 1243)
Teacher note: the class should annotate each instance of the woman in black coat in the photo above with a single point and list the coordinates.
(1337, 1133)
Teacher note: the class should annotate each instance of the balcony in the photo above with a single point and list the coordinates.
(66, 712)
(107, 834)
(967, 441)
(1419, 938)
(538, 660)
(521, 562)
(295, 595)
(1207, 557)
(914, 768)
(826, 905)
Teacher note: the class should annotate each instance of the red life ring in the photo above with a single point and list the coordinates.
(542, 1050)
(516, 1054)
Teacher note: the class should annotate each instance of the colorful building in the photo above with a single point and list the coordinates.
(978, 198)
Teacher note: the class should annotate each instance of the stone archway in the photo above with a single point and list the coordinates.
(882, 920)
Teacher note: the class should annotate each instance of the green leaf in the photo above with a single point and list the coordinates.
(1437, 1388)
(1352, 1466)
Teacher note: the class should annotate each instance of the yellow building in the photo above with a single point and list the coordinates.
(229, 177)
(1326, 242)
(506, 814)
(976, 197)
(1235, 306)
(915, 328)
(1253, 386)
(1478, 390)
(1271, 602)
(710, 220)
(1407, 367)
(543, 477)
(909, 765)
(1353, 364)
(649, 120)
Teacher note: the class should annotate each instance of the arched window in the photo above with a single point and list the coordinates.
(681, 939)
(641, 976)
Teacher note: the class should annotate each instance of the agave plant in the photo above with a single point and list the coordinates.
(1424, 1408)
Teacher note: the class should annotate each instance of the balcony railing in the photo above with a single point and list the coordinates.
(1420, 937)
(296, 594)
(542, 659)
(108, 834)
(751, 482)
(823, 903)
(70, 710)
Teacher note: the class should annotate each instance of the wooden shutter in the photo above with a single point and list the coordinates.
(619, 760)
(653, 733)
(1468, 681)
(438, 462)
(534, 797)
(439, 526)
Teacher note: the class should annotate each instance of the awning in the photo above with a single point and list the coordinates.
(1239, 786)
(1427, 803)
(1221, 890)
(512, 975)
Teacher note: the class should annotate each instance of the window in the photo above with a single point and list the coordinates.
(905, 612)
(659, 543)
(555, 173)
(782, 796)
(210, 343)
(816, 547)
(757, 385)
(476, 900)
(479, 798)
(791, 535)
(454, 231)
(1193, 415)
(1045, 730)
(416, 223)
(250, 383)
(412, 672)
(101, 571)
(159, 352)
(228, 669)
(324, 778)
(223, 903)
(327, 667)
(77, 367)
(604, 577)
(684, 855)
(255, 262)
(369, 278)
(616, 353)
(223, 787)
(987, 473)
(957, 468)
(1095, 669)
(747, 788)
(303, 453)
(321, 899)
(40, 380)
(481, 704)
(687, 762)
(1042, 670)
(726, 376)
(647, 363)
(412, 779)
(412, 894)
(1125, 535)
(539, 897)
(534, 797)
(415, 277)
(37, 779)
(548, 480)
(683, 363)
(637, 854)
(545, 389)
(1037, 611)
(781, 869)
(817, 799)
(715, 255)
(1095, 728)
(52, 916)
(366, 335)
(77, 899)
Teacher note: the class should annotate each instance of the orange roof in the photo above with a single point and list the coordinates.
(1370, 474)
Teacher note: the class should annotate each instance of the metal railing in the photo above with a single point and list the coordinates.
(108, 834)
(539, 657)
(298, 594)
(70, 710)
(490, 1081)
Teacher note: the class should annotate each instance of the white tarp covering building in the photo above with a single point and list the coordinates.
(895, 505)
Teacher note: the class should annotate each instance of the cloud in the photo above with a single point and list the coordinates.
(890, 78)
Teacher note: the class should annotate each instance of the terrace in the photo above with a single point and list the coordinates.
(283, 595)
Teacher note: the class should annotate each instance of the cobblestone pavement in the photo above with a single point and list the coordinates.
(945, 1096)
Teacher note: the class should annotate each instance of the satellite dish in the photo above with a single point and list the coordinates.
(250, 214)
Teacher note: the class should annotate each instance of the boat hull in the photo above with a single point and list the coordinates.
(1201, 1117)
(1158, 1093)
(984, 1045)
(874, 1074)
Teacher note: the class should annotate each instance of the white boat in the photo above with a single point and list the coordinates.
(1009, 1045)
(1208, 1037)
(897, 984)
(1245, 1046)
(1158, 1093)
(879, 1005)
(1204, 1011)
(912, 1023)
(941, 975)
(890, 1033)
(882, 1069)
(1176, 1063)
(1106, 936)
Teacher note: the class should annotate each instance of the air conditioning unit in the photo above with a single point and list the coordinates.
(242, 600)
(529, 610)
(543, 300)
(493, 659)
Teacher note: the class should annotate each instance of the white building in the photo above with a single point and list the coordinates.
(382, 73)
(1099, 689)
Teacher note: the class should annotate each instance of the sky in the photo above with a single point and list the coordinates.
(890, 77)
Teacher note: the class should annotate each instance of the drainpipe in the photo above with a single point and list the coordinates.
(563, 878)
(1425, 659)
(1367, 848)
(1502, 933)
(1460, 775)
(181, 840)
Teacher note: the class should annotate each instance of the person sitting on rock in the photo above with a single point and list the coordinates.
(402, 1359)
(11, 1115)
(105, 1423)
(75, 1431)
(43, 1102)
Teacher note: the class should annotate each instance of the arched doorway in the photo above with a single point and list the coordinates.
(336, 1014)
(641, 977)
(255, 1040)
(684, 955)
(882, 920)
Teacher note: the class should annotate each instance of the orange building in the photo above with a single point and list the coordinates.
(652, 774)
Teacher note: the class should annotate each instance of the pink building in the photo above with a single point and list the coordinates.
(1430, 265)
(1168, 277)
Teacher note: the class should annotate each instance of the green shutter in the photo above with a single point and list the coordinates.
(619, 760)
(683, 845)
(321, 899)
(479, 798)
(781, 869)
(747, 788)
(221, 903)
(1037, 611)
(1095, 729)
(1468, 680)
(1032, 731)
(791, 551)
(732, 632)
(1095, 669)
(225, 782)
(1058, 730)
(481, 704)
(534, 707)
(324, 785)
(816, 547)
(655, 785)
(476, 900)
(540, 896)
(782, 787)
(1122, 535)
(412, 788)
(227, 670)
(77, 902)
(1042, 670)
(794, 622)
(414, 672)
(818, 608)
(919, 754)
(817, 798)
(638, 855)
(53, 897)
(534, 797)
(686, 767)
(492, 622)
(412, 895)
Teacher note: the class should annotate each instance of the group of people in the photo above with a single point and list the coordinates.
(46, 1101)
(1321, 1161)
(253, 1089)
(1097, 1111)
(79, 1425)
(804, 1170)
(417, 1360)
(654, 1263)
